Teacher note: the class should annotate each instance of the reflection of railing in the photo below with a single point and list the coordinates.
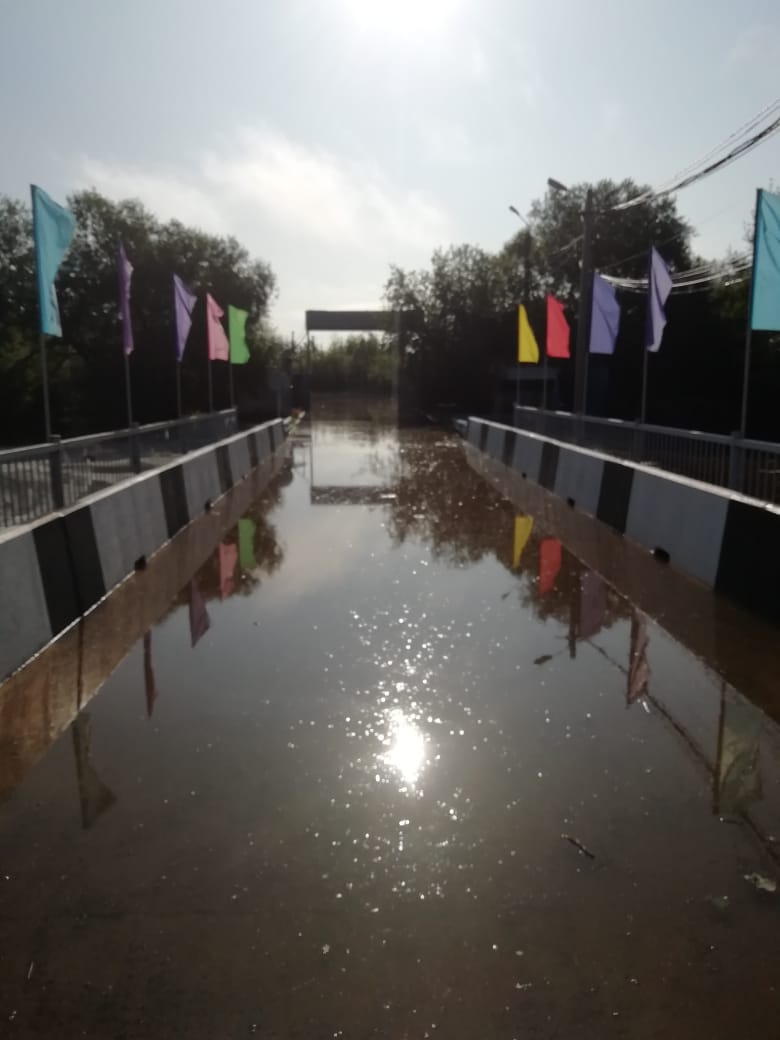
(752, 467)
(42, 477)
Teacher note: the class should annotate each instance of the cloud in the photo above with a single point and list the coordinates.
(328, 224)
(168, 194)
(316, 194)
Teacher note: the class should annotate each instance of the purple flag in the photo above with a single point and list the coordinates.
(183, 304)
(605, 317)
(658, 289)
(200, 622)
(125, 275)
(593, 604)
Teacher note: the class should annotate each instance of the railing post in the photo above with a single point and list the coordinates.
(638, 442)
(736, 476)
(55, 472)
(135, 449)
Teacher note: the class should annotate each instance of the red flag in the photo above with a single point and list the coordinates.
(549, 564)
(219, 348)
(557, 329)
(228, 556)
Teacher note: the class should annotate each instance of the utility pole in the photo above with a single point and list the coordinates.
(584, 313)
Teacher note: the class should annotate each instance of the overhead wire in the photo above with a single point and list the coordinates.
(696, 174)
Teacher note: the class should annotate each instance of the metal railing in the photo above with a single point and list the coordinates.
(41, 478)
(750, 467)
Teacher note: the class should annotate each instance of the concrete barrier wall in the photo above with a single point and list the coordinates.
(723, 539)
(52, 572)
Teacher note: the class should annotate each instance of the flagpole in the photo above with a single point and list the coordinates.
(45, 383)
(749, 327)
(128, 393)
(643, 408)
(232, 389)
(178, 388)
(643, 405)
(211, 387)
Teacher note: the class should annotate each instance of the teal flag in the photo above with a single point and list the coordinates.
(766, 264)
(53, 228)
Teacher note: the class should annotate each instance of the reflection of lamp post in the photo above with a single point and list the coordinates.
(585, 302)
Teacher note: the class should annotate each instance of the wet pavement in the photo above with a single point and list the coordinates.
(394, 762)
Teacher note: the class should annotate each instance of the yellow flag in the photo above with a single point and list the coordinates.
(527, 347)
(523, 527)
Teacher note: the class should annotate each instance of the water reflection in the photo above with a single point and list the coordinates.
(408, 795)
(406, 753)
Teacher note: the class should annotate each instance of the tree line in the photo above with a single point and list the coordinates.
(458, 344)
(466, 301)
(86, 366)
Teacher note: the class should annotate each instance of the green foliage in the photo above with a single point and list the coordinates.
(465, 328)
(86, 365)
(360, 363)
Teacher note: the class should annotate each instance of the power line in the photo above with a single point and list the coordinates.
(736, 152)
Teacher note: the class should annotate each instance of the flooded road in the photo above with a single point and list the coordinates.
(395, 763)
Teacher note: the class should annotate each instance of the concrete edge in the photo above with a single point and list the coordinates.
(56, 569)
(718, 537)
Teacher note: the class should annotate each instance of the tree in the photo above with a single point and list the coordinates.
(464, 329)
(86, 366)
(361, 363)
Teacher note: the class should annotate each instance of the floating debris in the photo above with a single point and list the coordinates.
(578, 845)
(761, 883)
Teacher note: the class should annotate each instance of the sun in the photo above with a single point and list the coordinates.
(408, 19)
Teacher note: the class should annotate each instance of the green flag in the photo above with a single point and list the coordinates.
(239, 351)
(246, 544)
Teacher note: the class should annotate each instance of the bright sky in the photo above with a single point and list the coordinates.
(334, 137)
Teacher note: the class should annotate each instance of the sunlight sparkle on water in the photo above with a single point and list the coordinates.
(406, 753)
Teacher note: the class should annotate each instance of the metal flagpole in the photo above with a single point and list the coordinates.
(211, 387)
(232, 389)
(128, 393)
(45, 383)
(178, 388)
(643, 404)
(749, 328)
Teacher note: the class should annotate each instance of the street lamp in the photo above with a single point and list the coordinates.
(556, 185)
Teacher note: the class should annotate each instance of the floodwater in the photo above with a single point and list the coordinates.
(395, 763)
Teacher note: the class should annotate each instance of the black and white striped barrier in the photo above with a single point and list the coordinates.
(54, 571)
(727, 541)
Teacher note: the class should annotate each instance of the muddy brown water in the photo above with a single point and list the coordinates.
(394, 763)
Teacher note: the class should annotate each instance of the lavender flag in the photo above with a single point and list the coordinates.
(659, 287)
(183, 304)
(605, 317)
(125, 275)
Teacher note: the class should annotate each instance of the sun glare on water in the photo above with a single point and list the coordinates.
(406, 754)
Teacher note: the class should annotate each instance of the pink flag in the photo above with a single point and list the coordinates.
(550, 557)
(219, 348)
(228, 557)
